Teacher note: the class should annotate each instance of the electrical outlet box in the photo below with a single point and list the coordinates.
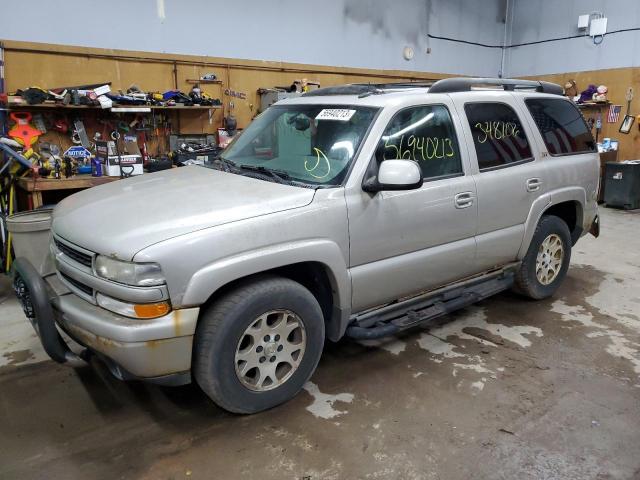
(598, 26)
(583, 22)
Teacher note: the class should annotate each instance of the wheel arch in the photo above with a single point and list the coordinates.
(319, 267)
(571, 212)
(567, 204)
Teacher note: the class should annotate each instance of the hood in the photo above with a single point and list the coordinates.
(123, 217)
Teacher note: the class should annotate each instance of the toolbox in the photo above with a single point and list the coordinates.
(196, 158)
(605, 157)
(270, 96)
(622, 185)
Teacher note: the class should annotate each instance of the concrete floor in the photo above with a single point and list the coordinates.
(507, 389)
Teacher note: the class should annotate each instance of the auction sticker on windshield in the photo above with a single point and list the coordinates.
(340, 114)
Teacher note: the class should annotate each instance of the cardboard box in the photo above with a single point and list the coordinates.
(131, 163)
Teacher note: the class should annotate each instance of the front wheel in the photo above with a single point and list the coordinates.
(258, 344)
(546, 263)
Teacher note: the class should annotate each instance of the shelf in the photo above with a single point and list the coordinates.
(89, 107)
(593, 105)
(39, 184)
(194, 81)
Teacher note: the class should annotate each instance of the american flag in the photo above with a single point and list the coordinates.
(614, 113)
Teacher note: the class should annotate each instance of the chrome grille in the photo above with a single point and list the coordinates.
(79, 285)
(74, 254)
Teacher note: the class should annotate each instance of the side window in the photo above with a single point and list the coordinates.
(497, 134)
(562, 126)
(424, 134)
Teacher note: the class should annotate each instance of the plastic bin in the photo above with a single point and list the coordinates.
(622, 185)
(30, 236)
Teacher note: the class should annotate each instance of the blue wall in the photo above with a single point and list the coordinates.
(533, 20)
(352, 33)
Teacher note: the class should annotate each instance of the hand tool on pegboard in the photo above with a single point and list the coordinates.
(629, 98)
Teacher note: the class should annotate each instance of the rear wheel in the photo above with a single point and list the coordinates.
(546, 263)
(257, 345)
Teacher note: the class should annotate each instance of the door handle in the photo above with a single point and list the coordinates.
(463, 200)
(533, 184)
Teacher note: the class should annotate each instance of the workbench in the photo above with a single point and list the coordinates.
(54, 189)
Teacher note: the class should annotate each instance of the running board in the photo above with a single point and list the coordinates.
(423, 309)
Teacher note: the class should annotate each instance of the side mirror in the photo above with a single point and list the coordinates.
(395, 175)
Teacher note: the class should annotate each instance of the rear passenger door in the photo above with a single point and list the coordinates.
(508, 173)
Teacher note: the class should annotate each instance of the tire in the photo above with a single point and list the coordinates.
(530, 279)
(223, 340)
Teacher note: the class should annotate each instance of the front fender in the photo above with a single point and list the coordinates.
(208, 279)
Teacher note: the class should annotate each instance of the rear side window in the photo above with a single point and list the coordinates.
(563, 128)
(497, 134)
(426, 135)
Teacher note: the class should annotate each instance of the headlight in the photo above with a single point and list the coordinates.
(129, 273)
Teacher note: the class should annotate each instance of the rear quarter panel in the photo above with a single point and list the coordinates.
(572, 177)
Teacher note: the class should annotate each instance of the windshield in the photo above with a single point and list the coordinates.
(313, 144)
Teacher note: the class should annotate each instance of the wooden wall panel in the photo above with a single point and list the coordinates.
(618, 80)
(49, 66)
(52, 70)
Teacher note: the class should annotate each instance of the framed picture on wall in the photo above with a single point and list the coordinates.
(627, 123)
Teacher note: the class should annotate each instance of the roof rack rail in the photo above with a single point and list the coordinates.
(450, 85)
(366, 88)
(400, 85)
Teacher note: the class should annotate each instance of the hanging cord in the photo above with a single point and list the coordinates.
(467, 42)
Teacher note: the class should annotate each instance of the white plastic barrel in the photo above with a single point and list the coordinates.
(30, 235)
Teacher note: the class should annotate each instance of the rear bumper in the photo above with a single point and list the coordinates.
(157, 350)
(595, 227)
(591, 220)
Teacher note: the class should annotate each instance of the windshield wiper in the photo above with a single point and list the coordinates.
(279, 175)
(226, 164)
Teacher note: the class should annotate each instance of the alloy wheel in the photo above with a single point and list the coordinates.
(549, 259)
(270, 350)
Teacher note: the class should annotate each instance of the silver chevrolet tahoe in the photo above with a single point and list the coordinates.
(360, 211)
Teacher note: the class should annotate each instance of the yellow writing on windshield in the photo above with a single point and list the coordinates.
(418, 148)
(496, 130)
(321, 159)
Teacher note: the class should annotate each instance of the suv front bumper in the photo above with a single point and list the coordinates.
(157, 350)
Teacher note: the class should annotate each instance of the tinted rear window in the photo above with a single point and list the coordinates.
(563, 128)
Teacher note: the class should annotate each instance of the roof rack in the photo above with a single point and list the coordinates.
(367, 88)
(401, 85)
(450, 85)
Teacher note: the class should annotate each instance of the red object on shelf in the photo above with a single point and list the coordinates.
(22, 130)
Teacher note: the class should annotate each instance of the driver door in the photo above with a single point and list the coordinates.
(405, 242)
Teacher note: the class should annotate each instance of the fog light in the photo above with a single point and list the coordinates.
(141, 311)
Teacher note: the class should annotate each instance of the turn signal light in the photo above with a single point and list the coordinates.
(142, 311)
(152, 310)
